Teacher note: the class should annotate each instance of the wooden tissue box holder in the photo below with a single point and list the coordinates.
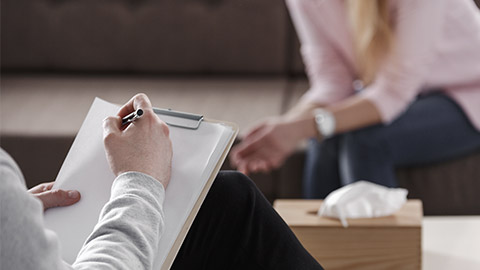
(392, 242)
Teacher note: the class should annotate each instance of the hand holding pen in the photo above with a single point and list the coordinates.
(137, 140)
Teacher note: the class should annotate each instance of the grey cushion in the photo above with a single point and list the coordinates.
(168, 36)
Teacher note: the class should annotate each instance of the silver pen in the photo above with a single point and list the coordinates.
(132, 117)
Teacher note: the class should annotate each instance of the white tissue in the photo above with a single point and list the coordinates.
(362, 199)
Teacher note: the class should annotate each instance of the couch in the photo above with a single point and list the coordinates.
(235, 60)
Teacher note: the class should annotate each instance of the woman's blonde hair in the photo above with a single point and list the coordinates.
(372, 35)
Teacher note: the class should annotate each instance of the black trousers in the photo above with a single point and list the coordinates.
(237, 228)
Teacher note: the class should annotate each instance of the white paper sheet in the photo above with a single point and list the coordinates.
(195, 154)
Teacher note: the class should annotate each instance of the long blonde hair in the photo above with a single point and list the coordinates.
(372, 35)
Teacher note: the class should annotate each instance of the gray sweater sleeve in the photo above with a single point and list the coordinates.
(126, 236)
(129, 227)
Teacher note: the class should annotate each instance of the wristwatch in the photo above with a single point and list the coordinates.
(325, 122)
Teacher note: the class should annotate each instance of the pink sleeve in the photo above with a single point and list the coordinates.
(329, 76)
(417, 29)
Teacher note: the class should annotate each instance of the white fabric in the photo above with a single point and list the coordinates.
(362, 199)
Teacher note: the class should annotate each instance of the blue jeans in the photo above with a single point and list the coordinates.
(432, 129)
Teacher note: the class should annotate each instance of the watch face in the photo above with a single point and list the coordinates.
(319, 118)
(325, 122)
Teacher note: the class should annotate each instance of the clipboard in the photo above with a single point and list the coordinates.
(86, 162)
(192, 121)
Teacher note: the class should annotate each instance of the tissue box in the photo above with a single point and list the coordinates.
(393, 242)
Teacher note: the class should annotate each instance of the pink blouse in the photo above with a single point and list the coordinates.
(437, 46)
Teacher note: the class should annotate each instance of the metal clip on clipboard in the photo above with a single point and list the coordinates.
(179, 119)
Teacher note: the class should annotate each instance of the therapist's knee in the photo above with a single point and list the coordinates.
(231, 187)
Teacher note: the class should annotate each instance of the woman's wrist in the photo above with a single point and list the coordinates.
(302, 119)
(303, 125)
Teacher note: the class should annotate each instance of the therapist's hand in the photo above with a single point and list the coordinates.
(54, 197)
(143, 146)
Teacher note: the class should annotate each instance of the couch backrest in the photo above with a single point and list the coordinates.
(153, 36)
(158, 36)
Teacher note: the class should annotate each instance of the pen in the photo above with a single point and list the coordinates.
(132, 117)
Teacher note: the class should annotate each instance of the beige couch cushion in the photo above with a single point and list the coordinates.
(56, 105)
